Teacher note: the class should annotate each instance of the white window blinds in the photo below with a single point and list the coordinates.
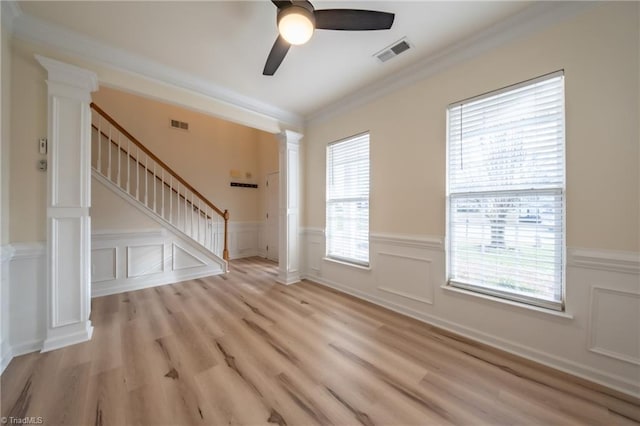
(347, 232)
(506, 179)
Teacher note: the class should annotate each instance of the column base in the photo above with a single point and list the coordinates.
(67, 335)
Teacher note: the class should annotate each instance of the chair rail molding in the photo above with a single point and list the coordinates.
(69, 198)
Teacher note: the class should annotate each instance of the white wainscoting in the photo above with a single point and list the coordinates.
(598, 338)
(6, 253)
(126, 261)
(26, 277)
(245, 238)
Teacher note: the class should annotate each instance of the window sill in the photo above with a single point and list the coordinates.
(546, 311)
(342, 262)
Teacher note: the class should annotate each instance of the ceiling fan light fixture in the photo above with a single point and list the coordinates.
(296, 24)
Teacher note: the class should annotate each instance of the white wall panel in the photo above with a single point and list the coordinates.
(103, 264)
(145, 260)
(405, 276)
(183, 259)
(614, 320)
(597, 338)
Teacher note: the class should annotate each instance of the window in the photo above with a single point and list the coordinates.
(505, 188)
(348, 200)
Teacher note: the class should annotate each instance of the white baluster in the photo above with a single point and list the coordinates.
(178, 206)
(192, 212)
(199, 219)
(119, 170)
(155, 193)
(137, 173)
(171, 199)
(109, 158)
(146, 181)
(128, 165)
(99, 143)
(162, 189)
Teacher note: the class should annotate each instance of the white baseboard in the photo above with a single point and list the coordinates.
(407, 274)
(132, 285)
(618, 383)
(126, 261)
(6, 355)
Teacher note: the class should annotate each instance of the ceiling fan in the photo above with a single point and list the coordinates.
(297, 19)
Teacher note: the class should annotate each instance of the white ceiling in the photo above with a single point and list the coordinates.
(227, 42)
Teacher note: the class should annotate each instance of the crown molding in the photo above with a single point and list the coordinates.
(70, 75)
(38, 31)
(532, 19)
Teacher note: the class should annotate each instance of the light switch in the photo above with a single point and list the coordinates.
(43, 146)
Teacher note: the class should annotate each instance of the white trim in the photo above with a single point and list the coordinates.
(122, 286)
(312, 231)
(625, 262)
(406, 295)
(6, 354)
(28, 250)
(35, 30)
(69, 75)
(145, 210)
(27, 347)
(60, 341)
(591, 331)
(348, 264)
(143, 234)
(530, 20)
(6, 253)
(429, 242)
(623, 384)
(546, 311)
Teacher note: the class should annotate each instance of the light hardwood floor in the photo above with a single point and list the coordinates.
(241, 349)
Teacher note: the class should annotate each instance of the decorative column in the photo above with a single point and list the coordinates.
(289, 230)
(68, 202)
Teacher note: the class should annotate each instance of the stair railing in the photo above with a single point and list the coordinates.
(121, 158)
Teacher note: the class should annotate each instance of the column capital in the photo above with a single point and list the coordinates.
(69, 75)
(289, 136)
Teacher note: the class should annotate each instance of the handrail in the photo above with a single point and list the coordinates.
(224, 214)
(124, 151)
(161, 163)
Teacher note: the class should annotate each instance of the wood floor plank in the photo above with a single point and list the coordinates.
(240, 349)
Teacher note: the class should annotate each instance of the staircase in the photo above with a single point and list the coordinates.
(122, 162)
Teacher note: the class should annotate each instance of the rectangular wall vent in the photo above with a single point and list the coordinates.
(177, 124)
(393, 50)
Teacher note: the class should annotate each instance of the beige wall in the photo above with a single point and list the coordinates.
(5, 107)
(599, 52)
(109, 212)
(28, 191)
(204, 156)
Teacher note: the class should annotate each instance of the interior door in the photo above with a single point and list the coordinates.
(272, 185)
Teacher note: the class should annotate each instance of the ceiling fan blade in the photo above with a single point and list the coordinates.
(353, 20)
(281, 3)
(277, 54)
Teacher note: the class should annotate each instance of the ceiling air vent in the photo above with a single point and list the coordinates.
(394, 50)
(177, 124)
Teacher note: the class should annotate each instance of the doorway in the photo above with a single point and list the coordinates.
(272, 217)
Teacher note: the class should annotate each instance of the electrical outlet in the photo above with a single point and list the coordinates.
(42, 165)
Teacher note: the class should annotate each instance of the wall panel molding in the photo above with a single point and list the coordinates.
(610, 330)
(148, 258)
(604, 260)
(594, 341)
(411, 276)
